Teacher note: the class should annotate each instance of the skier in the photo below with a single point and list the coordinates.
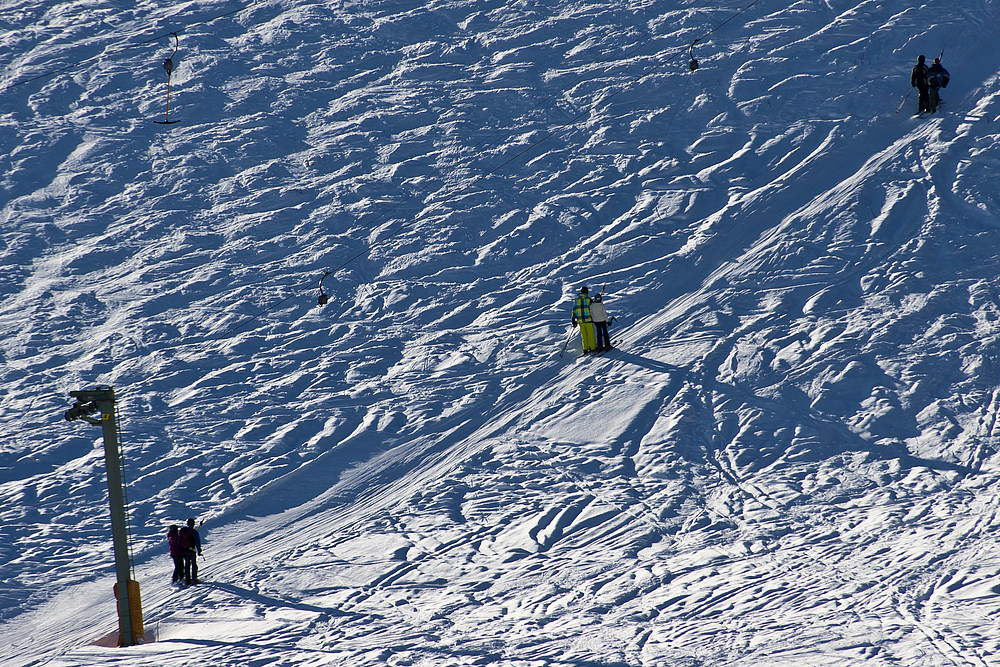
(581, 317)
(174, 541)
(937, 77)
(190, 544)
(599, 315)
(918, 80)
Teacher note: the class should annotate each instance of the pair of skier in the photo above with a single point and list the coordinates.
(928, 81)
(185, 547)
(592, 318)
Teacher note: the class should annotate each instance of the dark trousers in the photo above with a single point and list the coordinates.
(933, 99)
(923, 100)
(191, 567)
(601, 334)
(178, 569)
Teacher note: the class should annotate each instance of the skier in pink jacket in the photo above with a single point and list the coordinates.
(174, 541)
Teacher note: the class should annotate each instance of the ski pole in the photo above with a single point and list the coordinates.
(566, 344)
(166, 118)
(900, 107)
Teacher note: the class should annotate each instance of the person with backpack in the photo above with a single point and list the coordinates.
(937, 78)
(599, 316)
(174, 543)
(581, 318)
(189, 542)
(918, 80)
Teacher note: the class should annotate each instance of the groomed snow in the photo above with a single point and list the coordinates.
(791, 460)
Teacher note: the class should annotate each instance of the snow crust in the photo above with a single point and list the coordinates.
(791, 459)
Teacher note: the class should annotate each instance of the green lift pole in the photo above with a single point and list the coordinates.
(101, 400)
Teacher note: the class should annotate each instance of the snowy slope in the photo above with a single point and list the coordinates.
(790, 460)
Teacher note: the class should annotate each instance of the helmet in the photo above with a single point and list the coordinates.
(583, 290)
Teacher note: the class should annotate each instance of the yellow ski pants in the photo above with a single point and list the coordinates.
(587, 336)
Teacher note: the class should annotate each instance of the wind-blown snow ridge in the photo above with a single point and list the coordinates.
(791, 459)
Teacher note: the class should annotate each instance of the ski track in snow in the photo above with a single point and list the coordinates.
(791, 459)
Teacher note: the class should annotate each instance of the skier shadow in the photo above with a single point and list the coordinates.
(643, 362)
(262, 649)
(496, 658)
(271, 601)
(476, 656)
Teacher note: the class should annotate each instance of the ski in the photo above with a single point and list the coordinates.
(925, 114)
(614, 346)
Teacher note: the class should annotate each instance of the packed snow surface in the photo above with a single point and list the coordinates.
(791, 459)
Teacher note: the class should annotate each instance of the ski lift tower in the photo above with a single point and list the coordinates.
(90, 402)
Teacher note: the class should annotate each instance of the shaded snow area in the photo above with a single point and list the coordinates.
(791, 459)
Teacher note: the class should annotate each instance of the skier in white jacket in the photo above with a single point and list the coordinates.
(599, 316)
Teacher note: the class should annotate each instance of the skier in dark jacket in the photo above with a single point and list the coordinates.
(937, 77)
(190, 544)
(918, 80)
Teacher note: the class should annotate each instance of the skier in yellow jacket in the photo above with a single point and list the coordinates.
(581, 317)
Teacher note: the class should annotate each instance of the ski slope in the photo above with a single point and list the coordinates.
(791, 459)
